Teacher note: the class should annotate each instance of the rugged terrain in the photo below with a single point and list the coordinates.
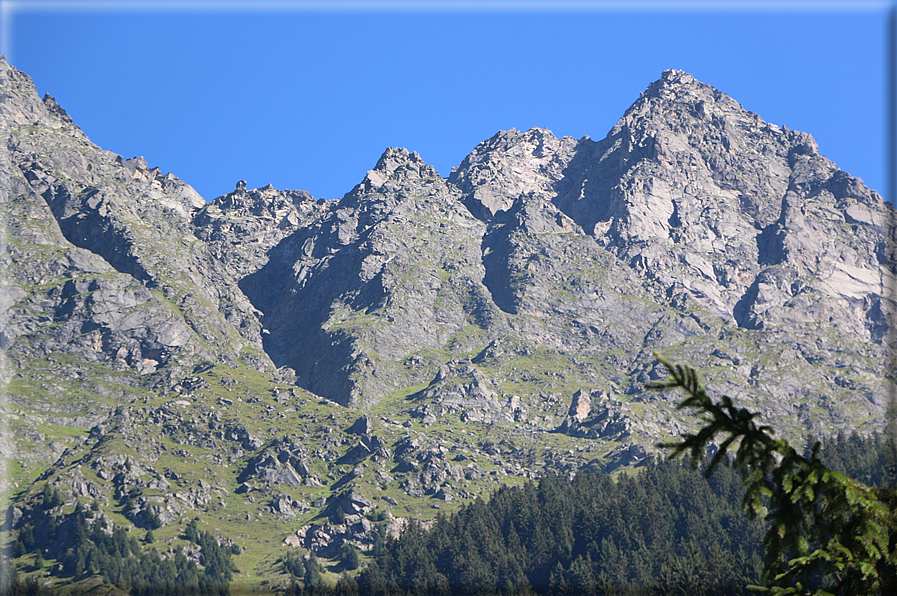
(287, 370)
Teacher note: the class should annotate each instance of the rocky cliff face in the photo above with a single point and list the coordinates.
(190, 356)
(747, 217)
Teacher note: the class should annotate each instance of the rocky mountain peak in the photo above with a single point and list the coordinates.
(687, 171)
(396, 158)
(510, 164)
(676, 83)
(395, 168)
(676, 87)
(678, 109)
(677, 100)
(265, 202)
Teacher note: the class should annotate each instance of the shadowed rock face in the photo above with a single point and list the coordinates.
(693, 226)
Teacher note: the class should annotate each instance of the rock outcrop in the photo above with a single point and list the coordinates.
(605, 419)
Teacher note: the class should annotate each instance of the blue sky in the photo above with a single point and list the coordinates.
(307, 95)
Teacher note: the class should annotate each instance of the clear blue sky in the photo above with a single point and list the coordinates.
(308, 95)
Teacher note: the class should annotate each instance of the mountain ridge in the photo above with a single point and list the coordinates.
(420, 340)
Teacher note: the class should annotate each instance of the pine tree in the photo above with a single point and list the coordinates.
(313, 572)
(582, 577)
(557, 581)
(350, 557)
(190, 532)
(347, 586)
(52, 497)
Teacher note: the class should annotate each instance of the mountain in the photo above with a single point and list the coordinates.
(283, 370)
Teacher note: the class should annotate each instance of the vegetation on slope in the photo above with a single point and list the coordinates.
(664, 530)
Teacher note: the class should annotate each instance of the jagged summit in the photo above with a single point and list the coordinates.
(698, 99)
(675, 83)
(508, 165)
(398, 166)
(395, 157)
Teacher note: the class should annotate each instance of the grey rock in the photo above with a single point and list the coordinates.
(267, 467)
(353, 503)
(362, 426)
(624, 455)
(367, 446)
(603, 420)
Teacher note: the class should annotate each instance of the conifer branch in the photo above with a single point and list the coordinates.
(820, 521)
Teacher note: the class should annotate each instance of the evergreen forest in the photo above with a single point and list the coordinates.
(664, 530)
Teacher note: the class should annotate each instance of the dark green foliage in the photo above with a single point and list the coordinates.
(19, 549)
(118, 557)
(52, 497)
(350, 557)
(594, 535)
(864, 459)
(12, 585)
(347, 586)
(219, 567)
(828, 532)
(313, 573)
(338, 516)
(142, 518)
(191, 533)
(26, 537)
(379, 541)
(152, 521)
